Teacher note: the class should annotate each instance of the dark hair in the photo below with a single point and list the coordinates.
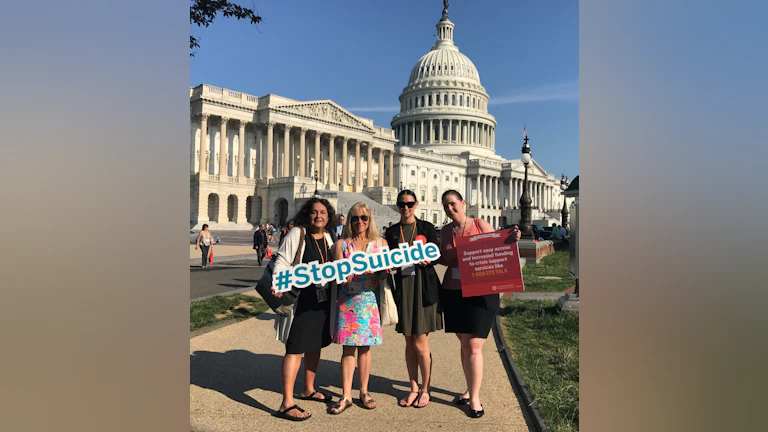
(451, 192)
(407, 192)
(205, 226)
(302, 218)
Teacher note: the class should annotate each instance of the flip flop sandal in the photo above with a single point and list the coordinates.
(368, 402)
(311, 397)
(418, 398)
(284, 414)
(338, 408)
(404, 402)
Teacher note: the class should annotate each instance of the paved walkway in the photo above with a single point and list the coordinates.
(235, 385)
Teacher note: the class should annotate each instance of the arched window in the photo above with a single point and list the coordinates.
(445, 99)
(453, 99)
(473, 102)
(461, 100)
(422, 101)
(430, 100)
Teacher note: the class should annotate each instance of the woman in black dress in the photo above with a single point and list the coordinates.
(470, 318)
(416, 295)
(307, 329)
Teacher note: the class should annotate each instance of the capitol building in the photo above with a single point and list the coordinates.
(256, 158)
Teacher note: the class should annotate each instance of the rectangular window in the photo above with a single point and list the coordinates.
(430, 100)
(453, 99)
(445, 99)
(413, 172)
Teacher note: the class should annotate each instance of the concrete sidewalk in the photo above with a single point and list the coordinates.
(235, 385)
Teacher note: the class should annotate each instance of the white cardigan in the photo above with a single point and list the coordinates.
(284, 260)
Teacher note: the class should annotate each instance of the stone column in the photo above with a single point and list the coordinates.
(358, 171)
(391, 169)
(331, 158)
(344, 162)
(205, 145)
(270, 148)
(370, 164)
(413, 134)
(381, 167)
(259, 172)
(287, 150)
(223, 149)
(302, 152)
(421, 133)
(241, 153)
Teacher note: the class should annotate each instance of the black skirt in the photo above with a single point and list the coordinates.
(471, 315)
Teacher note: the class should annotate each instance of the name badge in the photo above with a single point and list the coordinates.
(455, 274)
(322, 293)
(408, 270)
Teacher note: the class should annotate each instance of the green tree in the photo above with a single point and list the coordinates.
(203, 12)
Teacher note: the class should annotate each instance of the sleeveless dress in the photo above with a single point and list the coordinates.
(357, 317)
(413, 317)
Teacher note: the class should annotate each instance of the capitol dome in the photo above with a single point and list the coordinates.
(444, 63)
(444, 107)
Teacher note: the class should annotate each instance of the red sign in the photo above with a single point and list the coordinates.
(489, 263)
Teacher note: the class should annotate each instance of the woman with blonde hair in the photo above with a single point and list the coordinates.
(358, 324)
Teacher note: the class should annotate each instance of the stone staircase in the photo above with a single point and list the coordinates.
(382, 214)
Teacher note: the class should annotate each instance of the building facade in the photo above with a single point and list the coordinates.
(254, 159)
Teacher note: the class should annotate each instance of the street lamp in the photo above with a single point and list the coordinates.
(525, 199)
(317, 177)
(303, 189)
(564, 211)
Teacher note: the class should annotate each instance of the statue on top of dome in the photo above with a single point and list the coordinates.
(445, 9)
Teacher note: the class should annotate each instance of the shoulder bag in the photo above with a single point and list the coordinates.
(284, 304)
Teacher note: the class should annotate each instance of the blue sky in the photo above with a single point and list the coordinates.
(360, 53)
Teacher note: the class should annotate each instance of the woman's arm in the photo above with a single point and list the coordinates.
(337, 251)
(485, 227)
(287, 250)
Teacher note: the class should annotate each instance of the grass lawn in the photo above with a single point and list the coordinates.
(555, 264)
(210, 311)
(545, 346)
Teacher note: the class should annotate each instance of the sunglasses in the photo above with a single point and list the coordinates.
(354, 219)
(404, 204)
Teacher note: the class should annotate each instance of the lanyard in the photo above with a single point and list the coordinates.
(413, 233)
(322, 258)
(462, 232)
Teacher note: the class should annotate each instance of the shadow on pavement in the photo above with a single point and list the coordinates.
(234, 373)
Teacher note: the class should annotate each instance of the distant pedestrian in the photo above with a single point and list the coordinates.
(260, 242)
(207, 246)
(285, 231)
(340, 226)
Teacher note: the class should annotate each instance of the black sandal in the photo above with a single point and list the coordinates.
(326, 398)
(418, 398)
(284, 414)
(338, 408)
(405, 400)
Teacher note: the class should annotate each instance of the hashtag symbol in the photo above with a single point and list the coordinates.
(284, 280)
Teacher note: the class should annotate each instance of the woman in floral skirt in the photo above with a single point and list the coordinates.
(358, 325)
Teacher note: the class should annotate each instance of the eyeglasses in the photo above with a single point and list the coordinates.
(404, 204)
(354, 219)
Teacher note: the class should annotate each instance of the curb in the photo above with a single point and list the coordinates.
(516, 378)
(212, 327)
(237, 291)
